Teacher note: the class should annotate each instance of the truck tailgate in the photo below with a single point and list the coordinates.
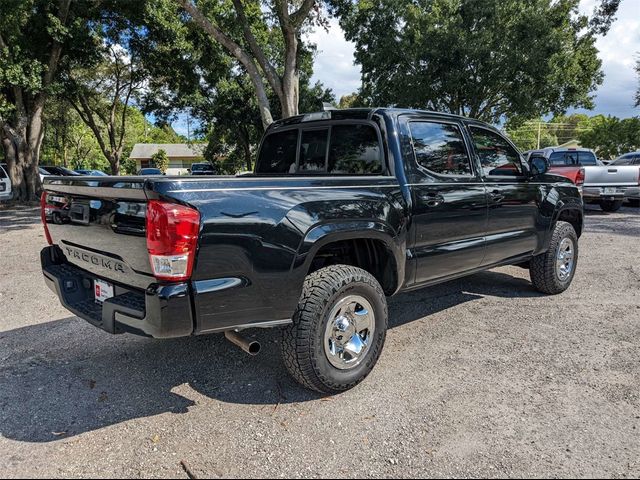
(619, 176)
(99, 224)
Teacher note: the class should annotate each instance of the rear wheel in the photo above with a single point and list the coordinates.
(338, 329)
(553, 271)
(611, 205)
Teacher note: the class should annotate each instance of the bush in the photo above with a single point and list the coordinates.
(160, 160)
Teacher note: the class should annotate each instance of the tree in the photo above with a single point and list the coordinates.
(101, 95)
(34, 40)
(160, 160)
(531, 134)
(611, 137)
(242, 31)
(490, 59)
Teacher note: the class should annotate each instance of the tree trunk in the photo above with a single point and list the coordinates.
(21, 145)
(114, 162)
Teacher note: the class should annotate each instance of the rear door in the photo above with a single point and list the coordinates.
(449, 205)
(512, 198)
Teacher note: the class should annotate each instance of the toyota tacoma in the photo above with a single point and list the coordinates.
(344, 209)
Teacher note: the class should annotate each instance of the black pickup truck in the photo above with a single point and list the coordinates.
(344, 208)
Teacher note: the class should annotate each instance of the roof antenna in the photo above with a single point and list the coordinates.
(327, 107)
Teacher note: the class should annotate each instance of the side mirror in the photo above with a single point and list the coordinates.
(538, 165)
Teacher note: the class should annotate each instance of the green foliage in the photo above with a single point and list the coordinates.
(525, 136)
(487, 59)
(611, 137)
(160, 160)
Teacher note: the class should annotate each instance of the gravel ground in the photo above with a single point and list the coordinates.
(479, 377)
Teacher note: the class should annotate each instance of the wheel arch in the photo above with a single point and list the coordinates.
(371, 245)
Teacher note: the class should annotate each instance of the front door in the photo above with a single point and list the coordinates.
(513, 199)
(448, 200)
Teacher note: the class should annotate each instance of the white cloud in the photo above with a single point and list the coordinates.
(334, 62)
(334, 65)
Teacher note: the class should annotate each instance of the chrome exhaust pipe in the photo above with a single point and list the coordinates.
(252, 347)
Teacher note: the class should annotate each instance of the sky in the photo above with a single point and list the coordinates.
(334, 63)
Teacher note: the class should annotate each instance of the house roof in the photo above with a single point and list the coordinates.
(143, 151)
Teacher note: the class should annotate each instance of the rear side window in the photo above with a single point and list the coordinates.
(586, 158)
(354, 149)
(278, 153)
(497, 156)
(439, 148)
(3, 174)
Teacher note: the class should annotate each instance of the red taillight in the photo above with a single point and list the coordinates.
(43, 217)
(172, 237)
(580, 177)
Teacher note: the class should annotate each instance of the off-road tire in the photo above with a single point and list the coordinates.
(303, 350)
(543, 270)
(611, 205)
(634, 202)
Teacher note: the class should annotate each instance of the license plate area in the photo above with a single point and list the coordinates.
(610, 190)
(102, 291)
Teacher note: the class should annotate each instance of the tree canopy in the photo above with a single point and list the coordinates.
(490, 60)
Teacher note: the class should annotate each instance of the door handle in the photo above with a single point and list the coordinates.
(433, 199)
(496, 196)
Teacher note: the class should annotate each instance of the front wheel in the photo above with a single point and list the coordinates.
(338, 329)
(611, 205)
(634, 202)
(553, 271)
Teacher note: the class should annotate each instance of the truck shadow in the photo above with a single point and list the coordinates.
(64, 378)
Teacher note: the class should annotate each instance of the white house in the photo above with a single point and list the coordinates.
(181, 155)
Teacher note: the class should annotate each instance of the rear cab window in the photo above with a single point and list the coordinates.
(3, 174)
(337, 149)
(587, 158)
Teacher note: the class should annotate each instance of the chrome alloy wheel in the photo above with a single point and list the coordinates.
(349, 332)
(565, 259)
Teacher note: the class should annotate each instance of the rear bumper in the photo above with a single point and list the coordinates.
(621, 193)
(162, 311)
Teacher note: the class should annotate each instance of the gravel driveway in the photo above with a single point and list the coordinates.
(479, 377)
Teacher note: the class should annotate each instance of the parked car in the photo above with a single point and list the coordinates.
(145, 172)
(5, 184)
(202, 169)
(93, 173)
(344, 209)
(607, 185)
(59, 171)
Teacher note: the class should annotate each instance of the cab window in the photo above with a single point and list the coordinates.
(497, 157)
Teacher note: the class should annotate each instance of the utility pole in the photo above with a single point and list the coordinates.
(539, 128)
(188, 126)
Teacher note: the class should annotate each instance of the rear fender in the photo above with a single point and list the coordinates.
(326, 233)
